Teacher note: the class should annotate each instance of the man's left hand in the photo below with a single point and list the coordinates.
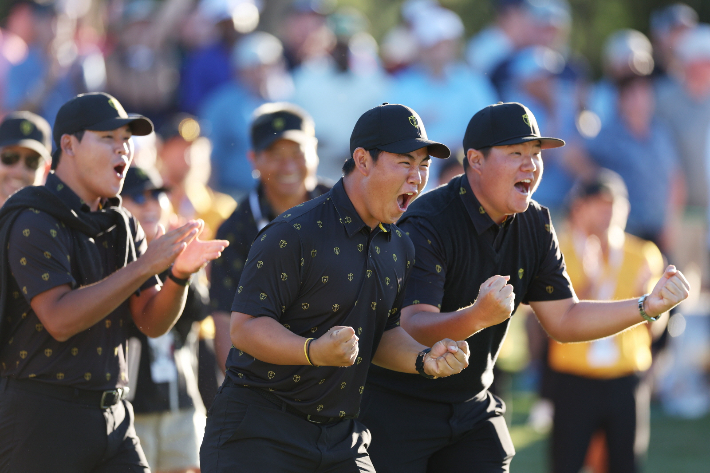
(197, 254)
(670, 290)
(446, 357)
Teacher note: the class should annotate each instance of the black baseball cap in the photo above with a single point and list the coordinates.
(505, 124)
(96, 111)
(139, 180)
(273, 121)
(394, 128)
(27, 130)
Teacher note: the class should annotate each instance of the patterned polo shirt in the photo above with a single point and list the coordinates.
(240, 229)
(42, 257)
(458, 247)
(314, 267)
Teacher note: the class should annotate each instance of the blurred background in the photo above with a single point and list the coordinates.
(625, 82)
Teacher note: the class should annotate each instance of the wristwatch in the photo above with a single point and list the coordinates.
(643, 313)
(419, 364)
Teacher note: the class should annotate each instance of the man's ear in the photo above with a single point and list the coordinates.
(67, 143)
(363, 161)
(475, 159)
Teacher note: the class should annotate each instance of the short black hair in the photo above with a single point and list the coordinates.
(58, 153)
(349, 165)
(484, 151)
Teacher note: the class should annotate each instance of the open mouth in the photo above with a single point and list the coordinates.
(524, 186)
(120, 170)
(403, 200)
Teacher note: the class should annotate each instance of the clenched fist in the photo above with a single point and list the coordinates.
(338, 347)
(446, 357)
(495, 301)
(670, 290)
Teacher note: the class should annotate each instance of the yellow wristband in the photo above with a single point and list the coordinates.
(305, 351)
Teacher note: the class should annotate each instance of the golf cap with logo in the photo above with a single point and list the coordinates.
(27, 130)
(274, 121)
(139, 180)
(97, 112)
(505, 124)
(396, 129)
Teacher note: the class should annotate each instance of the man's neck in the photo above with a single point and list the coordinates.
(497, 218)
(355, 193)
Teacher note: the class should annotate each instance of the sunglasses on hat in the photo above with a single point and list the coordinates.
(32, 161)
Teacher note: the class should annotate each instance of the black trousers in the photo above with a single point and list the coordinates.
(248, 433)
(414, 436)
(40, 434)
(619, 407)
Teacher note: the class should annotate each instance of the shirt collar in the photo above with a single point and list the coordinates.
(349, 217)
(69, 197)
(478, 215)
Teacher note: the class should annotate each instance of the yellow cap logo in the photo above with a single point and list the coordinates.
(413, 120)
(278, 123)
(26, 127)
(526, 119)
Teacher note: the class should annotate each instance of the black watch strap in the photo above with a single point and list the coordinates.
(419, 364)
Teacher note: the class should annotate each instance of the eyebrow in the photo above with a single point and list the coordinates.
(407, 155)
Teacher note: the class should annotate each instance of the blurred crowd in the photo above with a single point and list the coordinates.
(199, 69)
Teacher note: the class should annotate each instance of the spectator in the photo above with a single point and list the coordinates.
(25, 146)
(439, 85)
(283, 152)
(184, 164)
(52, 72)
(685, 105)
(668, 24)
(600, 385)
(169, 413)
(305, 34)
(510, 32)
(640, 147)
(626, 53)
(259, 76)
(217, 25)
(334, 88)
(13, 44)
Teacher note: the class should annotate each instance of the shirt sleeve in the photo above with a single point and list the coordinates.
(551, 283)
(271, 278)
(39, 253)
(428, 275)
(395, 314)
(227, 270)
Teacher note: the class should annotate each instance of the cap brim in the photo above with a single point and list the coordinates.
(435, 149)
(34, 145)
(297, 136)
(546, 142)
(140, 125)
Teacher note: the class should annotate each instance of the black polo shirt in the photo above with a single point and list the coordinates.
(41, 256)
(239, 230)
(314, 267)
(458, 247)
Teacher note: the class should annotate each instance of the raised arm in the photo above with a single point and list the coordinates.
(569, 320)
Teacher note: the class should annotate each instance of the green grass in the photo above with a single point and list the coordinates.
(677, 445)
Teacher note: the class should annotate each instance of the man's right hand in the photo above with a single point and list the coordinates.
(338, 347)
(495, 301)
(165, 247)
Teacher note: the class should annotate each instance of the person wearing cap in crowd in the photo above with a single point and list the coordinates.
(600, 386)
(324, 282)
(484, 230)
(283, 154)
(25, 147)
(183, 160)
(164, 391)
(668, 23)
(259, 77)
(75, 273)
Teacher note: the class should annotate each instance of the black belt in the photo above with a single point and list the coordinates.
(316, 419)
(100, 399)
